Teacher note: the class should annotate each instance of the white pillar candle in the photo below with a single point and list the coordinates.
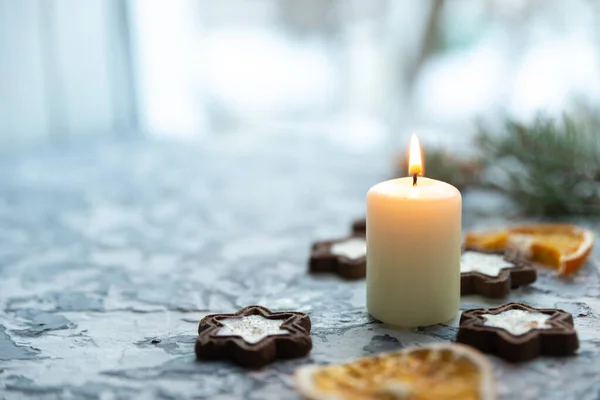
(413, 249)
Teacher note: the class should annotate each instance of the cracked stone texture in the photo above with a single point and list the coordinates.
(113, 250)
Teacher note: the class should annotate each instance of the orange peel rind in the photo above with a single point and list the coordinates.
(435, 371)
(564, 247)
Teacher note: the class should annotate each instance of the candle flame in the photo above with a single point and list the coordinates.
(415, 159)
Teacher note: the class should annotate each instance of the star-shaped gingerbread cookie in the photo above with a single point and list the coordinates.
(345, 257)
(359, 227)
(493, 274)
(518, 332)
(254, 336)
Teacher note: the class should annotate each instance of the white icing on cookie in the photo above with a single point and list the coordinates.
(353, 248)
(487, 264)
(251, 328)
(517, 322)
(520, 244)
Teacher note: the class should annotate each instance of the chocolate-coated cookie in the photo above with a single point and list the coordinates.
(359, 227)
(493, 274)
(345, 257)
(518, 332)
(254, 336)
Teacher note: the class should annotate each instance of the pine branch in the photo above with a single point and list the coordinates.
(548, 167)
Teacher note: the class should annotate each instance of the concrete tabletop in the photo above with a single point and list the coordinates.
(111, 252)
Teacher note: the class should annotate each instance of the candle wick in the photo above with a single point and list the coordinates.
(415, 180)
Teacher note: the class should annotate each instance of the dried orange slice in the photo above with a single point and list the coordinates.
(436, 371)
(562, 246)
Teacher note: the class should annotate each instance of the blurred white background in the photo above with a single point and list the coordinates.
(359, 71)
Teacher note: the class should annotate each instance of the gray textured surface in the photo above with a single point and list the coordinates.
(111, 253)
